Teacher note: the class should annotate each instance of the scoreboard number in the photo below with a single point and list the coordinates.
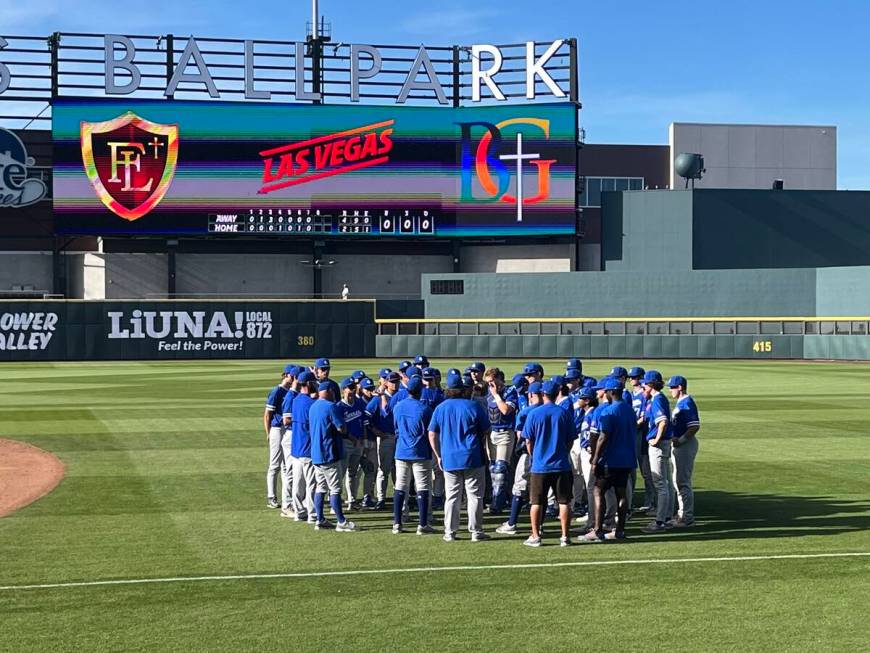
(762, 346)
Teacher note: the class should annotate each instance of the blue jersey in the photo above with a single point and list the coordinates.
(274, 402)
(461, 425)
(522, 416)
(618, 423)
(658, 410)
(497, 420)
(585, 424)
(522, 401)
(551, 433)
(300, 446)
(380, 418)
(627, 397)
(327, 420)
(287, 404)
(355, 417)
(684, 416)
(565, 404)
(638, 403)
(411, 417)
(432, 397)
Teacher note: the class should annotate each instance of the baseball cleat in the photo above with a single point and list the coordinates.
(449, 537)
(272, 503)
(425, 529)
(346, 526)
(532, 541)
(323, 525)
(480, 536)
(564, 541)
(655, 527)
(507, 529)
(397, 528)
(592, 537)
(614, 535)
(288, 513)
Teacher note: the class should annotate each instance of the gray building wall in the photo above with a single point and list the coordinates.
(643, 230)
(701, 293)
(752, 156)
(261, 275)
(557, 257)
(394, 276)
(135, 276)
(26, 269)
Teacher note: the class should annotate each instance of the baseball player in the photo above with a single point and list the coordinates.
(369, 458)
(383, 427)
(433, 395)
(458, 431)
(501, 411)
(686, 423)
(613, 459)
(520, 490)
(327, 429)
(638, 403)
(300, 448)
(286, 446)
(274, 427)
(621, 374)
(321, 372)
(658, 415)
(421, 362)
(413, 456)
(549, 433)
(355, 419)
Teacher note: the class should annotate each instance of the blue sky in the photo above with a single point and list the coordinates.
(642, 64)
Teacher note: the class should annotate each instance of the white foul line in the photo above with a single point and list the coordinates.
(411, 570)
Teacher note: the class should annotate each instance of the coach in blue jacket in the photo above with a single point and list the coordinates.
(458, 433)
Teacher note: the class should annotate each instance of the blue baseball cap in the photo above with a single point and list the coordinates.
(324, 386)
(477, 367)
(636, 372)
(589, 381)
(290, 369)
(600, 384)
(550, 388)
(677, 380)
(366, 383)
(572, 373)
(385, 372)
(454, 372)
(533, 368)
(558, 379)
(305, 377)
(429, 372)
(420, 359)
(322, 364)
(535, 388)
(613, 383)
(393, 377)
(454, 382)
(359, 374)
(619, 371)
(413, 371)
(574, 364)
(415, 384)
(404, 365)
(467, 381)
(652, 376)
(518, 380)
(586, 392)
(346, 382)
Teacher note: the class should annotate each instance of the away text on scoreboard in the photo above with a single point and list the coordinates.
(315, 221)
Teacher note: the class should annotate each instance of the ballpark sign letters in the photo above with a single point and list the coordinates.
(123, 76)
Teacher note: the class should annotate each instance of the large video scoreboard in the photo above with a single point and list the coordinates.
(164, 167)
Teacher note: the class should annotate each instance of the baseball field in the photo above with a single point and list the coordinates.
(158, 537)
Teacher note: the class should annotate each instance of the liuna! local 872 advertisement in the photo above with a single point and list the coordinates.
(191, 331)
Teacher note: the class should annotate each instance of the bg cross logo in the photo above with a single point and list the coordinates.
(130, 162)
(484, 158)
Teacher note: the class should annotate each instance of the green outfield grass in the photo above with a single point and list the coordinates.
(165, 478)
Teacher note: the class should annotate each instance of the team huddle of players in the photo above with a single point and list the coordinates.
(568, 446)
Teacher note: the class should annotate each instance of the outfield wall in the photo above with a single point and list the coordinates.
(153, 330)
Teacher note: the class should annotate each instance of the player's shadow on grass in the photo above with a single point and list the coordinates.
(734, 515)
